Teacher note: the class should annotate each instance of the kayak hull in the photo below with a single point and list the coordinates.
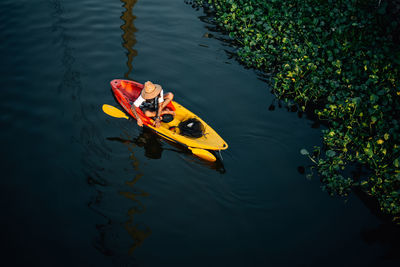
(127, 91)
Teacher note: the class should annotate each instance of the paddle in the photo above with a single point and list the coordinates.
(116, 113)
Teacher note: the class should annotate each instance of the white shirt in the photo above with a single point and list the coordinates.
(140, 99)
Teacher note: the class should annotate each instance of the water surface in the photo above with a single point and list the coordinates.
(81, 188)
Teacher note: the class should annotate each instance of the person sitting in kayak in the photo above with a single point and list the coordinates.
(152, 101)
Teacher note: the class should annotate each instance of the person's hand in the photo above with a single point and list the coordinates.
(157, 123)
(139, 122)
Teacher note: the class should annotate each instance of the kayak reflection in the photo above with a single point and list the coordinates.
(153, 148)
(129, 30)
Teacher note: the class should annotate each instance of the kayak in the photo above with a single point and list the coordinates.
(127, 91)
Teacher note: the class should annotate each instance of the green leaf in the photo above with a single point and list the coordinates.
(330, 153)
(373, 98)
(369, 152)
(386, 136)
(356, 100)
(304, 152)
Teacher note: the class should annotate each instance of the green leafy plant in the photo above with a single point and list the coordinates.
(344, 58)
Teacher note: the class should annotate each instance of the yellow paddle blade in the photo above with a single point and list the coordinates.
(114, 112)
(204, 154)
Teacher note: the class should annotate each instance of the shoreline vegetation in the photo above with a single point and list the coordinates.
(341, 59)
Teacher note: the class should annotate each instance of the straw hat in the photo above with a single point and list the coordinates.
(151, 90)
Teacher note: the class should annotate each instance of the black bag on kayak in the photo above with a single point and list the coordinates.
(191, 127)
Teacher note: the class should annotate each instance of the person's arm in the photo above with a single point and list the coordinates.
(157, 119)
(160, 107)
(138, 119)
(135, 105)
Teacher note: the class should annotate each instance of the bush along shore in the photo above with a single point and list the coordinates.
(343, 59)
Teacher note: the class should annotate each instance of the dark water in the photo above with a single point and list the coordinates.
(79, 188)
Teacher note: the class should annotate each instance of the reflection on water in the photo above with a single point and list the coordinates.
(128, 35)
(109, 230)
(137, 232)
(151, 144)
(111, 235)
(153, 148)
